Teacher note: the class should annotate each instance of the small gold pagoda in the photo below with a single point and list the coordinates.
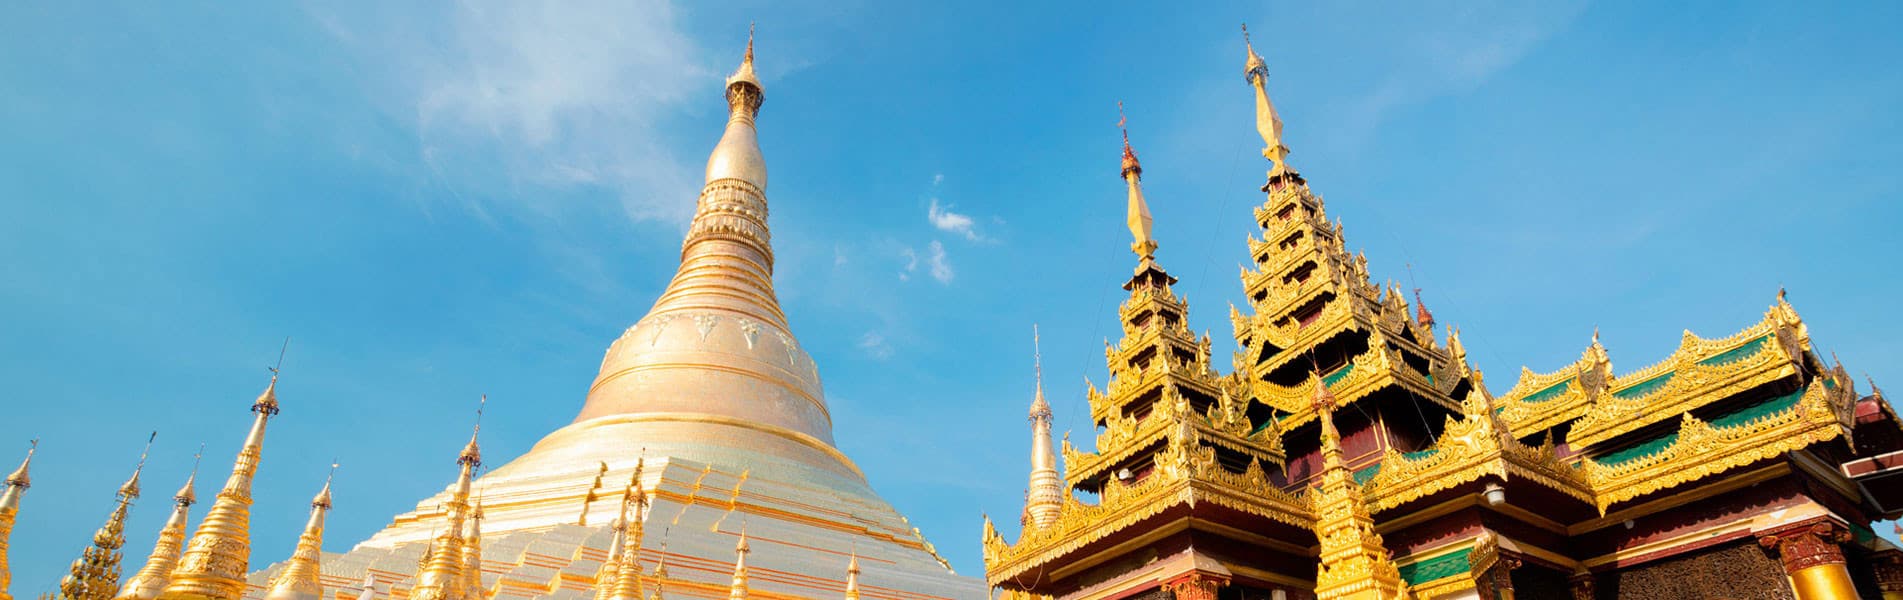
(1351, 452)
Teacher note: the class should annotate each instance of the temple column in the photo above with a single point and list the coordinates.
(1814, 560)
(1194, 586)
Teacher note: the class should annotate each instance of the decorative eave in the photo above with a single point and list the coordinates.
(1540, 401)
(1183, 477)
(1700, 372)
(1127, 382)
(1468, 450)
(1123, 438)
(1699, 449)
(1366, 374)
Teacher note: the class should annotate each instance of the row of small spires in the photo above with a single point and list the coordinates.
(219, 552)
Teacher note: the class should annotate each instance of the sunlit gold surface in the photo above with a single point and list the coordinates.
(17, 482)
(219, 555)
(151, 578)
(298, 580)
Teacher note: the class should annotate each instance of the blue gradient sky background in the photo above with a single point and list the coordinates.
(443, 200)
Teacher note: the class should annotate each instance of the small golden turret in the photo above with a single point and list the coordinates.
(1354, 564)
(1139, 211)
(17, 482)
(1046, 491)
(298, 580)
(1266, 122)
(219, 555)
(660, 571)
(95, 575)
(852, 577)
(151, 579)
(472, 556)
(627, 584)
(738, 590)
(442, 574)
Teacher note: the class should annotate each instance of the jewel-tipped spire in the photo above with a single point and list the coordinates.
(95, 575)
(219, 554)
(1324, 403)
(660, 570)
(738, 589)
(151, 578)
(17, 482)
(1421, 315)
(298, 580)
(1139, 210)
(738, 154)
(1046, 494)
(442, 575)
(1267, 123)
(852, 577)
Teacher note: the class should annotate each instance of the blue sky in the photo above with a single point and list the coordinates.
(444, 200)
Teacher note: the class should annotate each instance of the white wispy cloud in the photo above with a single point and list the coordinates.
(940, 265)
(911, 263)
(943, 218)
(509, 100)
(875, 345)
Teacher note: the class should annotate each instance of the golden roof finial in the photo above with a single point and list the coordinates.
(1324, 402)
(738, 590)
(852, 576)
(298, 580)
(1139, 210)
(1267, 123)
(472, 453)
(223, 540)
(660, 568)
(1044, 497)
(95, 575)
(151, 578)
(17, 483)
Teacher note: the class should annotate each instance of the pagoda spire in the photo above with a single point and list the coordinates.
(1266, 122)
(298, 580)
(852, 577)
(219, 555)
(738, 589)
(1354, 564)
(17, 482)
(472, 556)
(627, 584)
(1139, 211)
(1046, 493)
(729, 235)
(441, 577)
(660, 569)
(95, 575)
(151, 579)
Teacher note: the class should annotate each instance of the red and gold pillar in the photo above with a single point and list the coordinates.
(1194, 586)
(1813, 558)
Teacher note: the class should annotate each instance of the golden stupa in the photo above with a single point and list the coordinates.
(712, 392)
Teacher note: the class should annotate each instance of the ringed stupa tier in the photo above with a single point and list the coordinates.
(711, 392)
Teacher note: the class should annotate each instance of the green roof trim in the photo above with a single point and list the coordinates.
(1333, 378)
(1439, 567)
(1645, 387)
(1420, 454)
(1363, 475)
(1549, 393)
(1739, 353)
(1637, 451)
(1740, 416)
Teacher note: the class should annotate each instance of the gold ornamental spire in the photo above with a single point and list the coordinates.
(1266, 122)
(627, 585)
(1354, 564)
(17, 482)
(219, 555)
(472, 556)
(151, 579)
(442, 574)
(1046, 494)
(95, 575)
(738, 590)
(298, 580)
(852, 578)
(660, 570)
(1139, 211)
